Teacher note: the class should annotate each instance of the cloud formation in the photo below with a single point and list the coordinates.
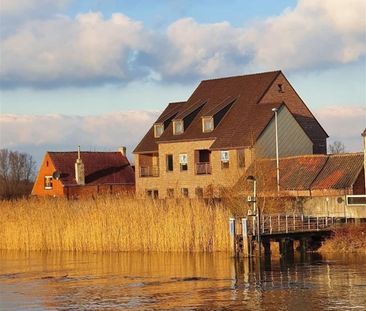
(92, 49)
(37, 134)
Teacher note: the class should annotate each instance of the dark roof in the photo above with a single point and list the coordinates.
(100, 167)
(308, 172)
(148, 143)
(245, 93)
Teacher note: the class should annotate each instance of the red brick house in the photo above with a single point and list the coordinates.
(84, 174)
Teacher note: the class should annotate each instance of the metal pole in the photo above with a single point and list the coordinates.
(277, 160)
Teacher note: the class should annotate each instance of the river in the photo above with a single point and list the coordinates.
(165, 281)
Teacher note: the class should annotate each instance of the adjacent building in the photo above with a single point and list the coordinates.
(197, 147)
(84, 174)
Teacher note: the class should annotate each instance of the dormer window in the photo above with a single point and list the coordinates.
(178, 127)
(207, 124)
(158, 129)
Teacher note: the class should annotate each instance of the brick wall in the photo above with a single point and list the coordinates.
(178, 179)
(47, 169)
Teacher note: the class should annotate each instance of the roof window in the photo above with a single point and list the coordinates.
(178, 127)
(207, 124)
(158, 129)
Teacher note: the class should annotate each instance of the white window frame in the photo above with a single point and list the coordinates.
(183, 161)
(225, 156)
(50, 181)
(156, 127)
(175, 123)
(205, 121)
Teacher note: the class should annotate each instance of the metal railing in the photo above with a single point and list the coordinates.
(149, 171)
(280, 224)
(203, 168)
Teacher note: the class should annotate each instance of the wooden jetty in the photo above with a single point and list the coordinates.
(246, 233)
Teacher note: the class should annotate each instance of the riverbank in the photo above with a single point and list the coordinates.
(347, 239)
(112, 224)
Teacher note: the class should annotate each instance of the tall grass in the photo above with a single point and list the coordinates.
(113, 224)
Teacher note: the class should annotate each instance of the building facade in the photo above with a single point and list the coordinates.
(202, 146)
(84, 174)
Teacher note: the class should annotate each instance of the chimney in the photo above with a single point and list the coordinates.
(79, 170)
(364, 155)
(123, 150)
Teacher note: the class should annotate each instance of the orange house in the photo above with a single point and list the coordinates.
(84, 174)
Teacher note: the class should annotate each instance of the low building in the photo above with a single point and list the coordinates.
(84, 174)
(318, 184)
(198, 146)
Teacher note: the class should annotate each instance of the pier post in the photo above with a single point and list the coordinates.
(232, 235)
(286, 246)
(304, 245)
(246, 241)
(267, 247)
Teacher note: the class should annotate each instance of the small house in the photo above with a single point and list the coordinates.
(79, 174)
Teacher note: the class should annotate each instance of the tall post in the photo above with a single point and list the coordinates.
(364, 155)
(258, 216)
(275, 110)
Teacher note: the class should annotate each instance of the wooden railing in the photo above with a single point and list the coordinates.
(149, 171)
(203, 168)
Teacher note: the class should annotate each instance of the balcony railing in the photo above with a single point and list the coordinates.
(203, 168)
(149, 171)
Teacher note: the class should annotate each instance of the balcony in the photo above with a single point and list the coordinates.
(203, 168)
(149, 171)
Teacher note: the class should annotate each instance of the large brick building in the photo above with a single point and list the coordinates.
(84, 174)
(198, 146)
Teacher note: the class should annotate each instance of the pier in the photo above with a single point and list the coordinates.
(307, 231)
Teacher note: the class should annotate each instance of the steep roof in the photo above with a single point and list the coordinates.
(100, 167)
(244, 120)
(308, 172)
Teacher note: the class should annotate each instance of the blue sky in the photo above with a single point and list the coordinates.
(97, 73)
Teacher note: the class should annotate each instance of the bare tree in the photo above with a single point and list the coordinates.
(336, 147)
(17, 171)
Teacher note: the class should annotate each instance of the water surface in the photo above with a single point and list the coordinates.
(165, 281)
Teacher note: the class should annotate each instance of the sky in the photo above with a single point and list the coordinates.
(98, 73)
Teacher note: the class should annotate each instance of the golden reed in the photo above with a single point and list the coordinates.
(112, 224)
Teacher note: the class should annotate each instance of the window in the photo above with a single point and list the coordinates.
(169, 162)
(178, 127)
(152, 193)
(158, 129)
(207, 124)
(225, 159)
(241, 158)
(184, 192)
(170, 193)
(199, 192)
(183, 162)
(48, 182)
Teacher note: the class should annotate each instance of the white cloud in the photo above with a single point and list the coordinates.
(19, 7)
(91, 49)
(85, 50)
(344, 124)
(105, 132)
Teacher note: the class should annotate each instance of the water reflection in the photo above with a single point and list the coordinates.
(165, 281)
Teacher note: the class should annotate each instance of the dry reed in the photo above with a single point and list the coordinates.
(113, 224)
(350, 239)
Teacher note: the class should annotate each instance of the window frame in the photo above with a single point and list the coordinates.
(183, 165)
(204, 120)
(48, 180)
(175, 123)
(156, 126)
(167, 162)
(241, 157)
(184, 192)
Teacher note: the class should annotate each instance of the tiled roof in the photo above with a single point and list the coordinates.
(100, 167)
(243, 122)
(308, 172)
(148, 143)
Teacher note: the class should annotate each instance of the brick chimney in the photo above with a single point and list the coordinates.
(123, 150)
(364, 155)
(79, 170)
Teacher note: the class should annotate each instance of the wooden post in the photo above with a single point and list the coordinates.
(232, 234)
(246, 247)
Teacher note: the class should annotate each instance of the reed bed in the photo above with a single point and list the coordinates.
(347, 239)
(111, 224)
